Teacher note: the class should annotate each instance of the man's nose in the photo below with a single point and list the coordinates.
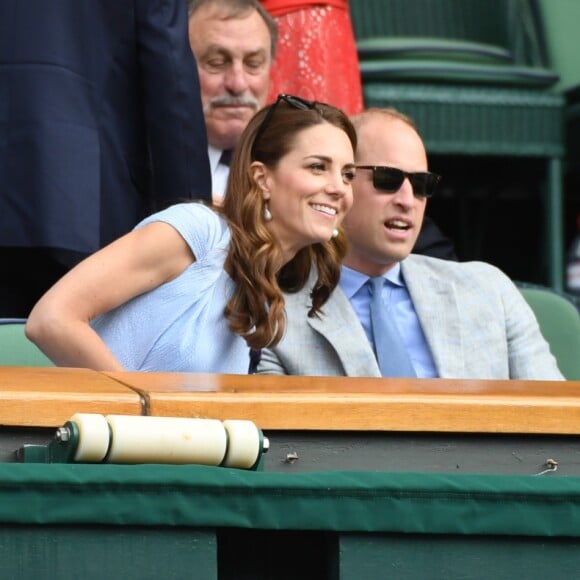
(405, 193)
(235, 79)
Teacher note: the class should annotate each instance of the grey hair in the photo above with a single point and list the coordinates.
(236, 9)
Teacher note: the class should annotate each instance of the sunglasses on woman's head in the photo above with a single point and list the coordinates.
(390, 179)
(296, 102)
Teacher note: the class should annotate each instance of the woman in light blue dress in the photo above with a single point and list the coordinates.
(196, 288)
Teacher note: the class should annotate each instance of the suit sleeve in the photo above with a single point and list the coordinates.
(175, 123)
(529, 352)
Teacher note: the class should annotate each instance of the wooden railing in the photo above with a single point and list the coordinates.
(395, 467)
(47, 397)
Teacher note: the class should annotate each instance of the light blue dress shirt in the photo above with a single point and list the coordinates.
(354, 286)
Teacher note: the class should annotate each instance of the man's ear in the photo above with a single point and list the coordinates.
(260, 174)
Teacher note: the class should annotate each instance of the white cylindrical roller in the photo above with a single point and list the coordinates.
(166, 440)
(244, 444)
(93, 437)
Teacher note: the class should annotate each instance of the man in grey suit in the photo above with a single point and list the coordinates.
(455, 320)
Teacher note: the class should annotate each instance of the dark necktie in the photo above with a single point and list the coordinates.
(226, 157)
(391, 353)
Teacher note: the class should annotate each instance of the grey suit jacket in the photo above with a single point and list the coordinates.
(475, 320)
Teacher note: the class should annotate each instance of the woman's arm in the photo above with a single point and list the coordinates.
(140, 261)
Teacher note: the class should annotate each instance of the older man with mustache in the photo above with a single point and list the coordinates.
(234, 42)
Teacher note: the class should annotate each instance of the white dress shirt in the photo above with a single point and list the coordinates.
(219, 172)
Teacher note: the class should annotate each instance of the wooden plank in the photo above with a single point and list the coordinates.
(365, 404)
(48, 397)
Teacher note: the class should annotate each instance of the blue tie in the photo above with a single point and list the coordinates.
(389, 348)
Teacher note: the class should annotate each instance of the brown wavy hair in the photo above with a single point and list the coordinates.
(256, 309)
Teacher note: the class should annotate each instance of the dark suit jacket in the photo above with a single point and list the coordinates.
(100, 119)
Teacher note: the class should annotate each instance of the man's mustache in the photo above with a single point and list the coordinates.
(227, 101)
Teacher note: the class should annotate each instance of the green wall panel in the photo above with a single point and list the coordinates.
(106, 553)
(445, 557)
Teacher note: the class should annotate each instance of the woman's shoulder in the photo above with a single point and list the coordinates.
(199, 225)
(183, 211)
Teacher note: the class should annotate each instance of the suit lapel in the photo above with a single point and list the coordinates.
(340, 326)
(435, 302)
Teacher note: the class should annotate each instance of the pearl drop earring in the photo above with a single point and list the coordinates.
(334, 233)
(266, 213)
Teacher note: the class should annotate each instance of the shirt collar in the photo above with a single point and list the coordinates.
(214, 157)
(351, 281)
(395, 276)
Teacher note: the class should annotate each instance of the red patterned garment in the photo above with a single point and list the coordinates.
(316, 57)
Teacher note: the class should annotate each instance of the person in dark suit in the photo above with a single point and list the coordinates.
(101, 124)
(433, 242)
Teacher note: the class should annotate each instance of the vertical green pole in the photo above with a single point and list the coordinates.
(554, 224)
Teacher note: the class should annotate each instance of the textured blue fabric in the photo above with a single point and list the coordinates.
(180, 325)
(389, 347)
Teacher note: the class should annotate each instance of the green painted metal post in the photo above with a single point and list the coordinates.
(554, 224)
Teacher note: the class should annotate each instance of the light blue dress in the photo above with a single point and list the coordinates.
(180, 326)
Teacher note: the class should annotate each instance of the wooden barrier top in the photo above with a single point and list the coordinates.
(49, 396)
(364, 404)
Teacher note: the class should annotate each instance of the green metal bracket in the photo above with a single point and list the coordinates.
(61, 449)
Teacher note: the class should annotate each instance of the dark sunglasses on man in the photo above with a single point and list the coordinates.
(390, 179)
